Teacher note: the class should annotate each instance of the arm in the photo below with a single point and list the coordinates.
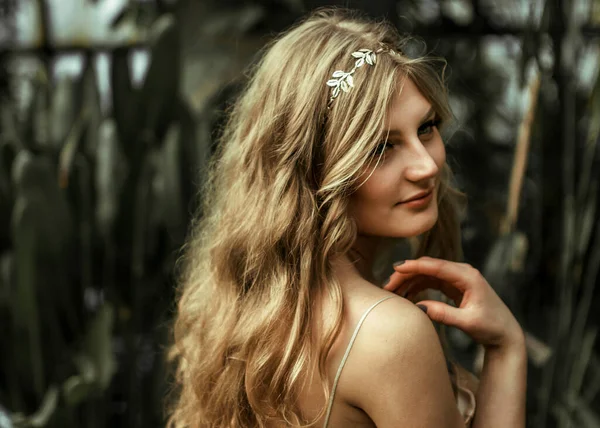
(502, 387)
(481, 314)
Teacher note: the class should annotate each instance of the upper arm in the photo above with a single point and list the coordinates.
(397, 372)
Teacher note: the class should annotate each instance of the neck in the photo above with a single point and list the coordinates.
(361, 256)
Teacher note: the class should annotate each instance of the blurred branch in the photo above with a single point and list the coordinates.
(74, 48)
(520, 162)
(556, 374)
(449, 28)
(44, 49)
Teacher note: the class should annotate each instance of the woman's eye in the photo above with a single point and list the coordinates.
(427, 127)
(381, 148)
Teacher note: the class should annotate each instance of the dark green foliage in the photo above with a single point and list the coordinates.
(93, 210)
(94, 206)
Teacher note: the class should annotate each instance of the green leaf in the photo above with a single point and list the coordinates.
(9, 125)
(25, 307)
(91, 109)
(78, 388)
(124, 100)
(69, 149)
(75, 390)
(42, 416)
(587, 219)
(586, 416)
(50, 216)
(7, 273)
(42, 230)
(588, 183)
(594, 112)
(160, 90)
(98, 346)
(110, 173)
(63, 111)
(36, 128)
(7, 155)
(170, 172)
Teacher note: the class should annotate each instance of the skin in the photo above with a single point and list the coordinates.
(408, 383)
(411, 163)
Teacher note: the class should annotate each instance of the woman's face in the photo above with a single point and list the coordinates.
(411, 163)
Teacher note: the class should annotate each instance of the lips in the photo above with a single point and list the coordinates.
(417, 196)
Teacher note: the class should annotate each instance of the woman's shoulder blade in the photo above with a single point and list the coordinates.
(396, 368)
(394, 328)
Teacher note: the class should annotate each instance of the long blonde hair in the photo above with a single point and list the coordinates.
(274, 214)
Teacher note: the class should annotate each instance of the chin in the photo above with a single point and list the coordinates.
(421, 223)
(401, 226)
(414, 232)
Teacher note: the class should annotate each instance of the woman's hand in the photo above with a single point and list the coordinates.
(480, 312)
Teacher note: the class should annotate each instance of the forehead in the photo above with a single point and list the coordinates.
(408, 106)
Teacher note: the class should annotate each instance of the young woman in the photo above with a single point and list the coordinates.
(332, 152)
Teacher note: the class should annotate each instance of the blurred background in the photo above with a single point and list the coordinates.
(108, 114)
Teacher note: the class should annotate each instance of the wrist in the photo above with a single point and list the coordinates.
(512, 345)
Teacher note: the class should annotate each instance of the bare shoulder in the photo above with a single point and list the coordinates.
(396, 371)
(397, 330)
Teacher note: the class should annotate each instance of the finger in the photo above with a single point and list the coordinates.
(442, 313)
(413, 283)
(402, 284)
(426, 283)
(417, 297)
(407, 289)
(415, 286)
(456, 274)
(396, 280)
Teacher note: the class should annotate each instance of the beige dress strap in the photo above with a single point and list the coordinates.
(466, 385)
(345, 357)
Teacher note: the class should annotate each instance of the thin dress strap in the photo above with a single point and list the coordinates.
(339, 372)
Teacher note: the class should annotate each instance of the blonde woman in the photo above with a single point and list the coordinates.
(332, 152)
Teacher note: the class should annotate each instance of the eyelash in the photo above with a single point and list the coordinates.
(433, 123)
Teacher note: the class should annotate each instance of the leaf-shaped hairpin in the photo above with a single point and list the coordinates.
(364, 55)
(344, 80)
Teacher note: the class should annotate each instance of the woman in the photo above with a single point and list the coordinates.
(280, 321)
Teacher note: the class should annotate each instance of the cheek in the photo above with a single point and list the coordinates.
(373, 199)
(378, 190)
(439, 153)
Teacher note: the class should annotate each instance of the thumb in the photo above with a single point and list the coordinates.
(441, 312)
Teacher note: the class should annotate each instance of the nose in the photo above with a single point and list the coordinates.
(420, 164)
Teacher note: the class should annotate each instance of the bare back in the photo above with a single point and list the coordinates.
(360, 297)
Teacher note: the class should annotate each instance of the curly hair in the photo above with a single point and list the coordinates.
(274, 214)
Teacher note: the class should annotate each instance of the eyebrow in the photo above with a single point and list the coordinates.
(423, 119)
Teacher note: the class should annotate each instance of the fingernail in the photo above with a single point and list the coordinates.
(401, 262)
(422, 307)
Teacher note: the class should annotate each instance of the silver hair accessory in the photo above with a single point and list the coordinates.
(343, 80)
